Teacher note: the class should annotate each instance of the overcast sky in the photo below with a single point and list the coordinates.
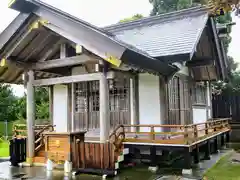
(106, 12)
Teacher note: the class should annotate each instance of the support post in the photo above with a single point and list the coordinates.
(207, 99)
(215, 145)
(188, 162)
(73, 108)
(227, 137)
(133, 103)
(50, 91)
(104, 109)
(153, 158)
(222, 140)
(30, 118)
(196, 155)
(207, 150)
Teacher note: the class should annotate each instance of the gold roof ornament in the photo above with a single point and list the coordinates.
(220, 7)
(3, 62)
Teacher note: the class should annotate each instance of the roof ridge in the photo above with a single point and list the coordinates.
(166, 16)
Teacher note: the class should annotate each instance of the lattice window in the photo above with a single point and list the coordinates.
(174, 101)
(81, 97)
(86, 115)
(179, 101)
(199, 94)
(119, 101)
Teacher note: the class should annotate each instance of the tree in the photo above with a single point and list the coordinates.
(134, 17)
(7, 103)
(41, 102)
(165, 6)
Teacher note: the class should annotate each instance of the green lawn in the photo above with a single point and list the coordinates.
(224, 169)
(4, 149)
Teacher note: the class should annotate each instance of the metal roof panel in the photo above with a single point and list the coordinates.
(165, 38)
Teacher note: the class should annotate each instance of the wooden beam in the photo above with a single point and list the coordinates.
(40, 45)
(72, 79)
(51, 51)
(25, 34)
(69, 61)
(63, 50)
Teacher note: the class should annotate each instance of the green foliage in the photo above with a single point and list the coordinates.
(134, 17)
(13, 108)
(165, 6)
(7, 103)
(41, 101)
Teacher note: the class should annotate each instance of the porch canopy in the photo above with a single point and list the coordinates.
(36, 34)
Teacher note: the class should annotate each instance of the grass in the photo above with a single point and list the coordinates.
(224, 170)
(4, 149)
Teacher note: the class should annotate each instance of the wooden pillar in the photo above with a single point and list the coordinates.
(104, 109)
(133, 109)
(215, 145)
(50, 92)
(187, 159)
(207, 100)
(163, 102)
(207, 149)
(153, 156)
(222, 140)
(196, 155)
(227, 137)
(30, 118)
(73, 107)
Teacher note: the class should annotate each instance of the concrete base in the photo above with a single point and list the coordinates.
(187, 171)
(67, 167)
(49, 165)
(29, 161)
(153, 168)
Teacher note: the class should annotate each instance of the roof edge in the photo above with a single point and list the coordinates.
(151, 19)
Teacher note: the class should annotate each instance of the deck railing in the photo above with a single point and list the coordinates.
(20, 131)
(169, 134)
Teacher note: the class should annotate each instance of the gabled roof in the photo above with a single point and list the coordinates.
(94, 39)
(170, 34)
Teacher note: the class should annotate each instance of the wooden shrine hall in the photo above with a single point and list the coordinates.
(142, 85)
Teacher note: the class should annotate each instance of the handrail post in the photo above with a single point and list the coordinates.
(214, 127)
(152, 133)
(206, 128)
(186, 133)
(195, 131)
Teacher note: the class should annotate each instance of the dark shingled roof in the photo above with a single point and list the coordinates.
(164, 35)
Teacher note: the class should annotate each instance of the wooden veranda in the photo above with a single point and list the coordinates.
(89, 155)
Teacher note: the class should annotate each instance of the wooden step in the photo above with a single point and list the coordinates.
(38, 159)
(40, 153)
